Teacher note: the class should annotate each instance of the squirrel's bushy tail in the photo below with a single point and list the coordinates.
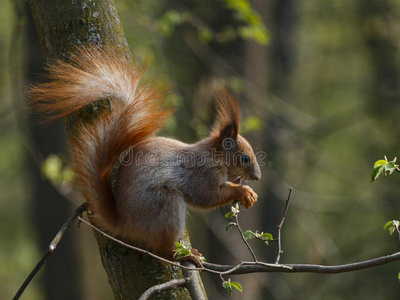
(94, 74)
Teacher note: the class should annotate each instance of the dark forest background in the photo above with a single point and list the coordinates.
(319, 88)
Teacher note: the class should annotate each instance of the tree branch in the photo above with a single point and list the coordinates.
(137, 248)
(280, 251)
(169, 285)
(251, 267)
(194, 285)
(261, 267)
(52, 247)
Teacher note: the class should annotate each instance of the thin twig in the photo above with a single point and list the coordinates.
(36, 269)
(52, 246)
(244, 240)
(280, 251)
(261, 267)
(169, 285)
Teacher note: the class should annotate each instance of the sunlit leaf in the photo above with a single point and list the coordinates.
(267, 236)
(229, 215)
(383, 166)
(181, 250)
(380, 162)
(248, 235)
(387, 224)
(237, 285)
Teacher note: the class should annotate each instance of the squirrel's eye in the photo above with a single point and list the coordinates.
(245, 159)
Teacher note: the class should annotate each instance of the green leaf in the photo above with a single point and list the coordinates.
(391, 226)
(228, 285)
(181, 250)
(248, 235)
(387, 224)
(398, 276)
(380, 162)
(182, 253)
(391, 230)
(229, 215)
(390, 167)
(230, 290)
(383, 166)
(237, 285)
(267, 236)
(376, 172)
(230, 225)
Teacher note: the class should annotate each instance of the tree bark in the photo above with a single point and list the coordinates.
(61, 26)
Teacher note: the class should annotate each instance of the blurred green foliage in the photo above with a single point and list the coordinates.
(251, 28)
(18, 251)
(53, 169)
(254, 27)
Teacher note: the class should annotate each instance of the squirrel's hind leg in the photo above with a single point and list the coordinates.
(168, 227)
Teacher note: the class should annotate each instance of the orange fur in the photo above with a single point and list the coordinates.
(94, 74)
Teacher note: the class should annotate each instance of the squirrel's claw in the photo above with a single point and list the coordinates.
(196, 257)
(250, 197)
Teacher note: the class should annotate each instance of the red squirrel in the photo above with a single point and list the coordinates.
(147, 204)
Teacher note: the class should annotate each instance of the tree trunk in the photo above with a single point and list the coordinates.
(61, 26)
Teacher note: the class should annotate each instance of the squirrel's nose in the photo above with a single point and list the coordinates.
(256, 174)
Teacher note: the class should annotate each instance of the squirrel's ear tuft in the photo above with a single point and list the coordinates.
(227, 120)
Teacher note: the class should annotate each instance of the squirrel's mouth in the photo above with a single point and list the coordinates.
(238, 180)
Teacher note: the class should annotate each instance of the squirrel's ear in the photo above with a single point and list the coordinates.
(229, 132)
(227, 121)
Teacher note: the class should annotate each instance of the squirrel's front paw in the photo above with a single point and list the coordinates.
(249, 196)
